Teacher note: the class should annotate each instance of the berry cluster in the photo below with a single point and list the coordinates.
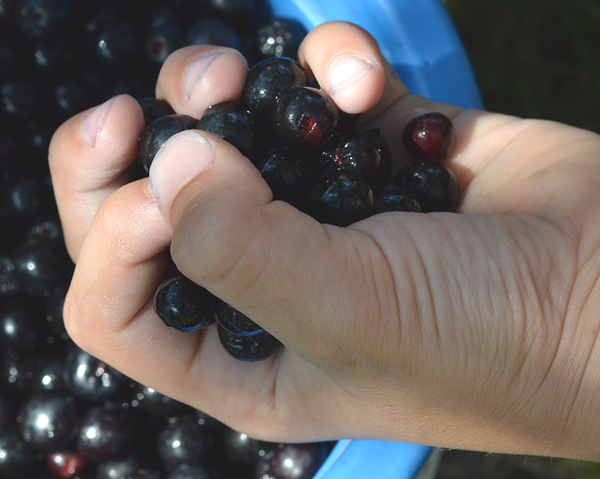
(63, 413)
(313, 157)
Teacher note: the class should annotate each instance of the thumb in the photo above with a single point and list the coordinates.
(266, 258)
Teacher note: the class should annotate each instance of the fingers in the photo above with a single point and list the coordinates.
(89, 157)
(230, 237)
(196, 77)
(91, 154)
(348, 65)
(108, 312)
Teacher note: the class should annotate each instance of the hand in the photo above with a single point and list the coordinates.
(475, 330)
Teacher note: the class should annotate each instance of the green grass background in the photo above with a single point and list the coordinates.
(535, 58)
(538, 59)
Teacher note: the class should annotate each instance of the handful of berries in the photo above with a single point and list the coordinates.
(312, 156)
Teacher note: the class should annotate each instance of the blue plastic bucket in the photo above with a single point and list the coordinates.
(417, 37)
(419, 40)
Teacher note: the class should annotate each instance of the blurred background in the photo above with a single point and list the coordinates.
(535, 58)
(538, 59)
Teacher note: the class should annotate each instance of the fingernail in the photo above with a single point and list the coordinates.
(92, 124)
(346, 73)
(180, 160)
(196, 70)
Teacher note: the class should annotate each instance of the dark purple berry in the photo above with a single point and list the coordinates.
(9, 278)
(39, 18)
(293, 461)
(163, 40)
(19, 99)
(304, 117)
(280, 38)
(267, 80)
(116, 43)
(17, 372)
(49, 374)
(356, 152)
(243, 449)
(394, 198)
(429, 136)
(248, 348)
(340, 199)
(288, 173)
(155, 135)
(18, 459)
(151, 401)
(117, 468)
(235, 321)
(184, 305)
(183, 442)
(432, 184)
(104, 435)
(41, 265)
(66, 464)
(153, 109)
(20, 326)
(48, 420)
(90, 378)
(234, 124)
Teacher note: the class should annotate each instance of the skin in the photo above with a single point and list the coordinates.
(476, 330)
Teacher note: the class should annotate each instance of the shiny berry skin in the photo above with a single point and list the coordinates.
(433, 185)
(235, 125)
(19, 99)
(153, 109)
(304, 117)
(356, 152)
(243, 449)
(293, 461)
(66, 464)
(155, 135)
(184, 305)
(39, 18)
(153, 402)
(90, 378)
(183, 442)
(163, 40)
(117, 468)
(19, 326)
(17, 372)
(117, 43)
(267, 80)
(248, 348)
(287, 172)
(48, 420)
(18, 460)
(104, 435)
(394, 198)
(235, 321)
(280, 38)
(340, 199)
(49, 374)
(429, 136)
(41, 265)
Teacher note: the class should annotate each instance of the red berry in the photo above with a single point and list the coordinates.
(65, 464)
(429, 136)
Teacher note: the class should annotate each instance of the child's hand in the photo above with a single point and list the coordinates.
(475, 330)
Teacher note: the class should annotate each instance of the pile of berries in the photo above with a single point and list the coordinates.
(315, 158)
(63, 413)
